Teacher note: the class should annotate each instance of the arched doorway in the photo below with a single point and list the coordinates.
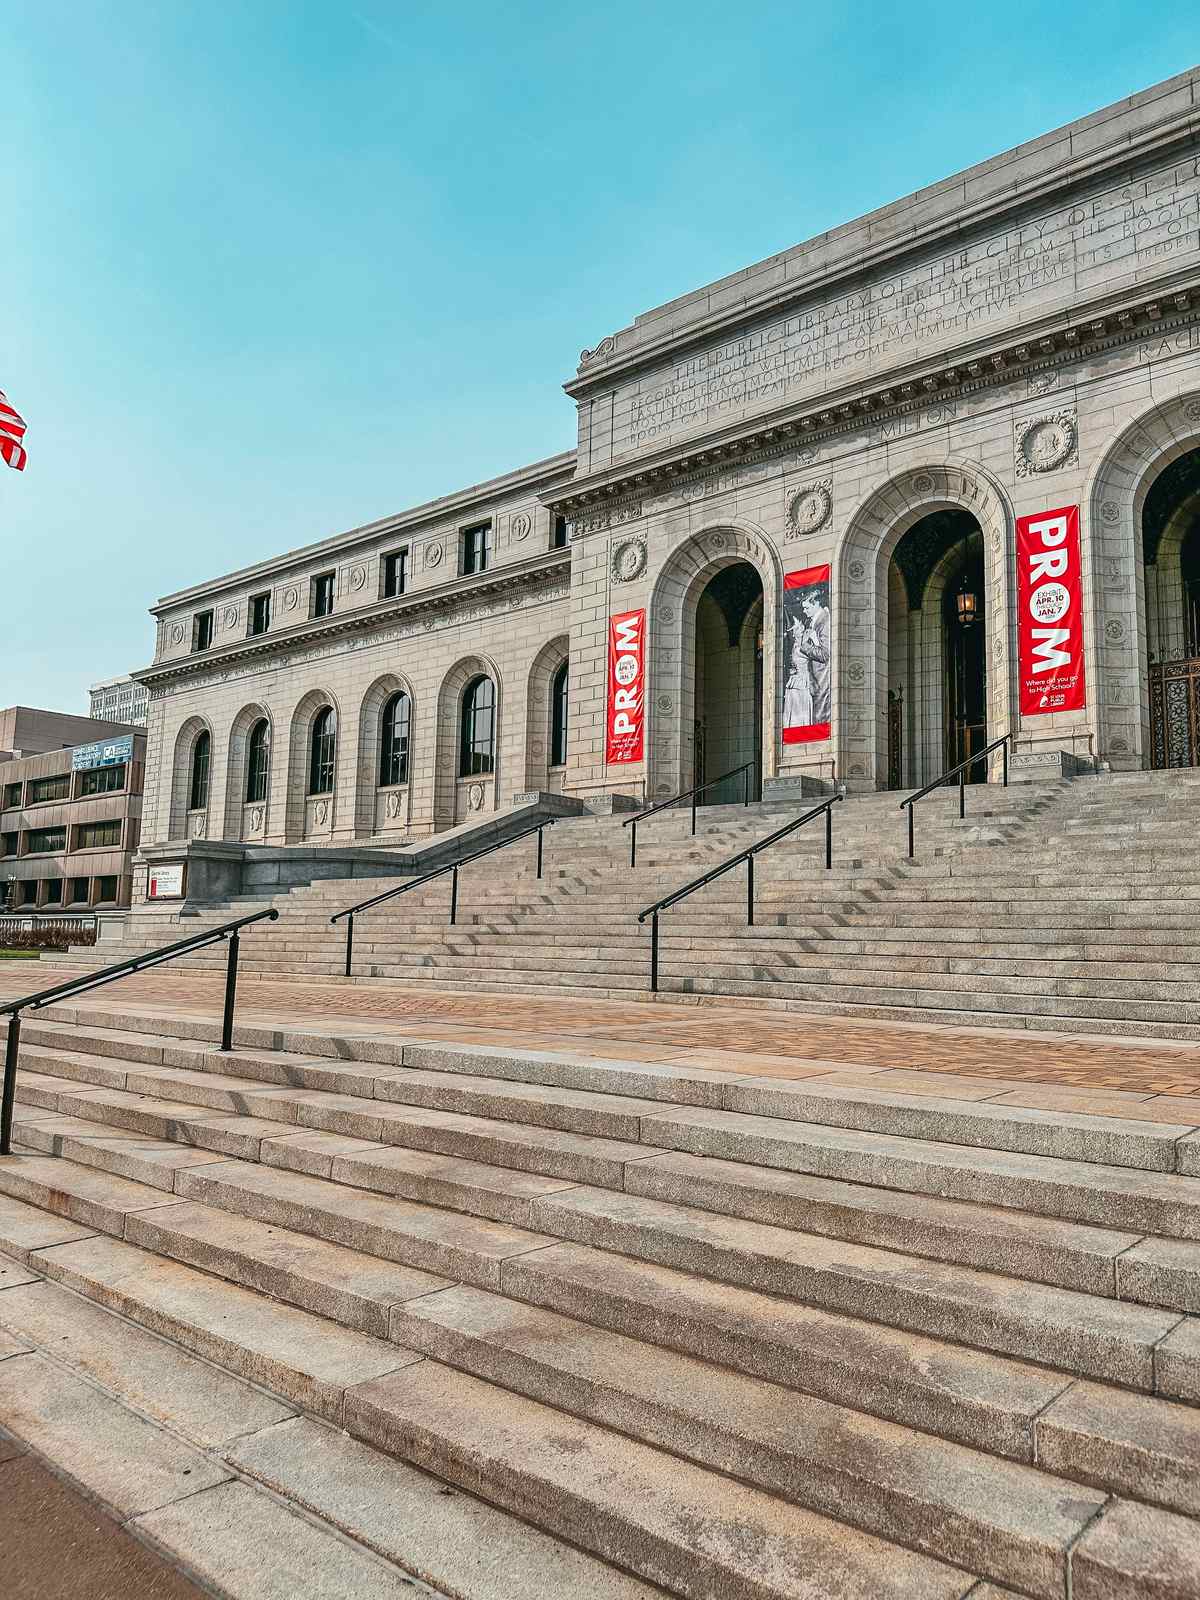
(728, 694)
(1170, 548)
(937, 657)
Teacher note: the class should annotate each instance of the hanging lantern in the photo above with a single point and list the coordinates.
(967, 603)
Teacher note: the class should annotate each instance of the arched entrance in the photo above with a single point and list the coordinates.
(728, 693)
(1170, 538)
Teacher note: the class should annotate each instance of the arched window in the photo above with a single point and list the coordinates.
(322, 752)
(558, 718)
(258, 760)
(393, 740)
(198, 797)
(477, 742)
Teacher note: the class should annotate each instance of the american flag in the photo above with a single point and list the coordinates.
(12, 431)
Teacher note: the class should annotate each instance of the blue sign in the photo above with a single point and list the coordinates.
(107, 753)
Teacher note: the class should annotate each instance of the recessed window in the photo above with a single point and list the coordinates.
(202, 631)
(260, 613)
(395, 573)
(322, 594)
(198, 782)
(558, 718)
(477, 740)
(558, 534)
(102, 780)
(52, 895)
(79, 891)
(322, 752)
(12, 795)
(106, 889)
(44, 841)
(98, 835)
(9, 843)
(258, 761)
(393, 741)
(29, 891)
(55, 788)
(476, 549)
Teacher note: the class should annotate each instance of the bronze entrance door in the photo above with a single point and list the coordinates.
(1175, 713)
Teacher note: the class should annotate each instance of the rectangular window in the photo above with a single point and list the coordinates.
(28, 894)
(395, 574)
(42, 841)
(322, 595)
(79, 891)
(202, 631)
(106, 889)
(102, 780)
(476, 549)
(12, 796)
(558, 534)
(55, 788)
(53, 892)
(8, 844)
(260, 613)
(98, 835)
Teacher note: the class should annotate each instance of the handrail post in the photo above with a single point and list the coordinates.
(695, 792)
(349, 942)
(750, 890)
(746, 786)
(10, 1082)
(828, 838)
(962, 794)
(911, 844)
(454, 896)
(539, 853)
(654, 953)
(1004, 753)
(632, 845)
(231, 971)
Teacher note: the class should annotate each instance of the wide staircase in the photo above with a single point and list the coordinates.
(661, 1330)
(1068, 905)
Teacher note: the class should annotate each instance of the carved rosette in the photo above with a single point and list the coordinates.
(1043, 444)
(628, 560)
(810, 508)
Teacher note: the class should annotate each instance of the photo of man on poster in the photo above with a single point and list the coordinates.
(807, 696)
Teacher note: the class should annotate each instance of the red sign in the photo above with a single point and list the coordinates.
(1050, 607)
(626, 687)
(807, 656)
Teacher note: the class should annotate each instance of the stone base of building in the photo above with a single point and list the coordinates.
(797, 786)
(1040, 766)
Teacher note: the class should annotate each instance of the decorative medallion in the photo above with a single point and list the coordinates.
(391, 805)
(922, 483)
(1045, 443)
(667, 616)
(997, 648)
(1114, 630)
(521, 525)
(857, 770)
(810, 508)
(1119, 747)
(628, 560)
(177, 633)
(231, 616)
(358, 577)
(857, 673)
(291, 599)
(475, 797)
(322, 813)
(717, 541)
(665, 703)
(858, 570)
(433, 555)
(1192, 411)
(1110, 511)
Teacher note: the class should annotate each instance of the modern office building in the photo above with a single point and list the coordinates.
(119, 700)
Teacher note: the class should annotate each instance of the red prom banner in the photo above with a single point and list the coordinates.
(626, 687)
(1050, 607)
(808, 652)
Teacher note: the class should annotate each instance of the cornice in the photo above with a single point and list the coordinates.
(534, 573)
(1094, 328)
(608, 363)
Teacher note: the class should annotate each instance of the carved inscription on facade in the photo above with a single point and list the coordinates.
(939, 302)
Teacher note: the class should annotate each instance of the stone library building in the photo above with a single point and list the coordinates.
(841, 519)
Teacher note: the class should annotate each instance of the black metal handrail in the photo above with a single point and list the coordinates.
(350, 912)
(747, 856)
(959, 772)
(120, 969)
(631, 822)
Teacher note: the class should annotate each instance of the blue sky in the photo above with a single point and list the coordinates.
(272, 270)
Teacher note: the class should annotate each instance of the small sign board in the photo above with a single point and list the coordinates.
(166, 882)
(105, 753)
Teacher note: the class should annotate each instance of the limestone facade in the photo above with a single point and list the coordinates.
(1020, 337)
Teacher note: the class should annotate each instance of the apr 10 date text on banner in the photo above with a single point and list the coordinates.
(807, 656)
(1050, 610)
(626, 687)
